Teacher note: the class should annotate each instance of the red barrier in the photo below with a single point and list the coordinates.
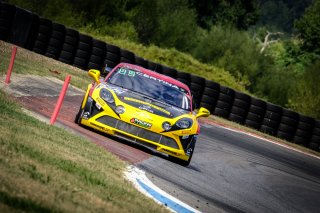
(13, 56)
(61, 97)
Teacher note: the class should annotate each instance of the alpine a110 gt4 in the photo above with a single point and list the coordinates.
(144, 107)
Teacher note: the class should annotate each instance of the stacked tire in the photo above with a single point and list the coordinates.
(69, 46)
(256, 113)
(141, 61)
(225, 102)
(184, 77)
(112, 57)
(98, 54)
(271, 119)
(210, 95)
(43, 36)
(7, 12)
(240, 107)
(33, 32)
(83, 52)
(197, 86)
(315, 137)
(168, 71)
(288, 125)
(304, 130)
(154, 67)
(56, 41)
(127, 56)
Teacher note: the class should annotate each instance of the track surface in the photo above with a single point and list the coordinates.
(229, 172)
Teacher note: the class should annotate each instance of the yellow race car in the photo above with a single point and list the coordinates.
(144, 107)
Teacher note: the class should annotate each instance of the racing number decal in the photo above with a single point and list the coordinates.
(129, 73)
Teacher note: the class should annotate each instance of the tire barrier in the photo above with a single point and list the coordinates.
(7, 14)
(271, 119)
(69, 46)
(56, 40)
(41, 35)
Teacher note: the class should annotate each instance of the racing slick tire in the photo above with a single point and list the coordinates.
(79, 115)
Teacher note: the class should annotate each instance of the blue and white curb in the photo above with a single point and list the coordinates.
(144, 185)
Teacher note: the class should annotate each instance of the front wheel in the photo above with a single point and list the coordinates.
(79, 115)
(189, 152)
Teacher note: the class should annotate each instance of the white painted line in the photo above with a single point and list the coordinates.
(144, 185)
(265, 139)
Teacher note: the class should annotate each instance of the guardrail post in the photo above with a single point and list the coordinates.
(60, 100)
(13, 56)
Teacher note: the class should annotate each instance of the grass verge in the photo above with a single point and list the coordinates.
(40, 172)
(27, 62)
(46, 169)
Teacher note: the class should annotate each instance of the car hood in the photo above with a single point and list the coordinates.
(145, 103)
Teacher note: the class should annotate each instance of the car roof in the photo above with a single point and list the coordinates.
(154, 74)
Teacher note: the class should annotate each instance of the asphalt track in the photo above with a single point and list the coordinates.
(229, 172)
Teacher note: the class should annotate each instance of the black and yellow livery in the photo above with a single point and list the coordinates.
(145, 107)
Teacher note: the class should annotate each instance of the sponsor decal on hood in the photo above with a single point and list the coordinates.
(144, 103)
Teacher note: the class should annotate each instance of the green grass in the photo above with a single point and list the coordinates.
(44, 168)
(27, 62)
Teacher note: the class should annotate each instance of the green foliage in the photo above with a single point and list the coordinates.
(239, 13)
(305, 96)
(233, 50)
(275, 85)
(309, 28)
(166, 23)
(279, 15)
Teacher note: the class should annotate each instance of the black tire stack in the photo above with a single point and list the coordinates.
(256, 113)
(288, 124)
(43, 36)
(184, 77)
(315, 137)
(240, 107)
(197, 85)
(127, 56)
(210, 95)
(7, 12)
(98, 54)
(271, 119)
(168, 71)
(83, 52)
(225, 102)
(33, 32)
(56, 41)
(304, 130)
(141, 61)
(112, 57)
(154, 67)
(69, 46)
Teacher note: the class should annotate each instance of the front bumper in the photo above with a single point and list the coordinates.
(102, 121)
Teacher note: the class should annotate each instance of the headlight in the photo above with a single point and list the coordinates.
(120, 109)
(184, 123)
(166, 126)
(106, 96)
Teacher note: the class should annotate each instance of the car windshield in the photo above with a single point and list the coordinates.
(150, 86)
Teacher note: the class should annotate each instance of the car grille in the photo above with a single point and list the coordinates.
(137, 131)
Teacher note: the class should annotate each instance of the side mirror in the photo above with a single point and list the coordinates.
(95, 75)
(203, 112)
